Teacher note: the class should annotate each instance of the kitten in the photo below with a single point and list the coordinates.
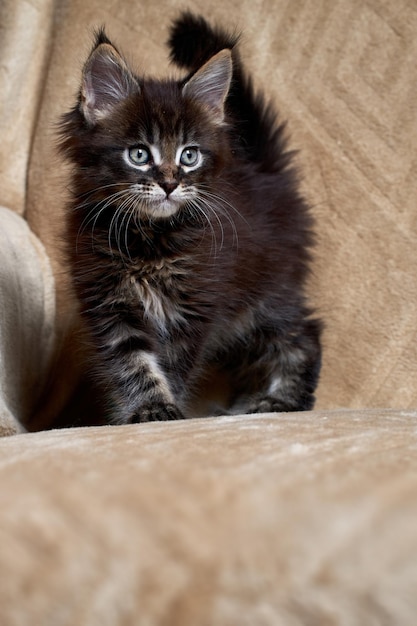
(189, 241)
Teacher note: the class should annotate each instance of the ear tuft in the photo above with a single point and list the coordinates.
(107, 81)
(211, 83)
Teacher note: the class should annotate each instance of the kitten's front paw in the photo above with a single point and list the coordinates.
(156, 412)
(269, 404)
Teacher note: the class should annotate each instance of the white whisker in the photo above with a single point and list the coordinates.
(201, 212)
(97, 209)
(217, 206)
(127, 202)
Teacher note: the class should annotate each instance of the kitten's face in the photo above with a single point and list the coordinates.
(164, 154)
(150, 148)
(163, 173)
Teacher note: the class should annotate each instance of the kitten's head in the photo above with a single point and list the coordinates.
(147, 146)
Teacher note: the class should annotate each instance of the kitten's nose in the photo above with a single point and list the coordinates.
(168, 185)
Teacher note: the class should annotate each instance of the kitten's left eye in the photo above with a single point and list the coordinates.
(139, 155)
(190, 156)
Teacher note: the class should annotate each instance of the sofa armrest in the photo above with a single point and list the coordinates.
(27, 318)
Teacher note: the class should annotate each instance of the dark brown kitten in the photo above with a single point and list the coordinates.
(189, 242)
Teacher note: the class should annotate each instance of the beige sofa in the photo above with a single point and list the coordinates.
(269, 520)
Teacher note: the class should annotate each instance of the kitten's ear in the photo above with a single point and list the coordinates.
(211, 83)
(106, 81)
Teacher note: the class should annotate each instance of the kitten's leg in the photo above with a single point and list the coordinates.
(148, 393)
(278, 372)
(138, 387)
(147, 378)
(142, 392)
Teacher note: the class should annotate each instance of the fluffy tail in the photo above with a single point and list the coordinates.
(192, 42)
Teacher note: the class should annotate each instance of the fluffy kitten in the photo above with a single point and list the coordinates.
(189, 241)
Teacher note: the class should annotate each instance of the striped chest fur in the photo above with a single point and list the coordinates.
(160, 289)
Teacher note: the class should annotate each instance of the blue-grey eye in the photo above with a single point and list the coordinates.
(190, 156)
(139, 155)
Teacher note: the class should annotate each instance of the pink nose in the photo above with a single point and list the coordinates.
(168, 186)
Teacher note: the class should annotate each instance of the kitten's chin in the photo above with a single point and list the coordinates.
(162, 209)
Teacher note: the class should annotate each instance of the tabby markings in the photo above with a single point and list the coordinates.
(163, 309)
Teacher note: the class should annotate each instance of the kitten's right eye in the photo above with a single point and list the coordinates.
(139, 155)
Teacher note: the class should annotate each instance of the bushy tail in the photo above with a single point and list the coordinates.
(192, 42)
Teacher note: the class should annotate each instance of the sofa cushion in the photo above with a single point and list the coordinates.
(264, 520)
